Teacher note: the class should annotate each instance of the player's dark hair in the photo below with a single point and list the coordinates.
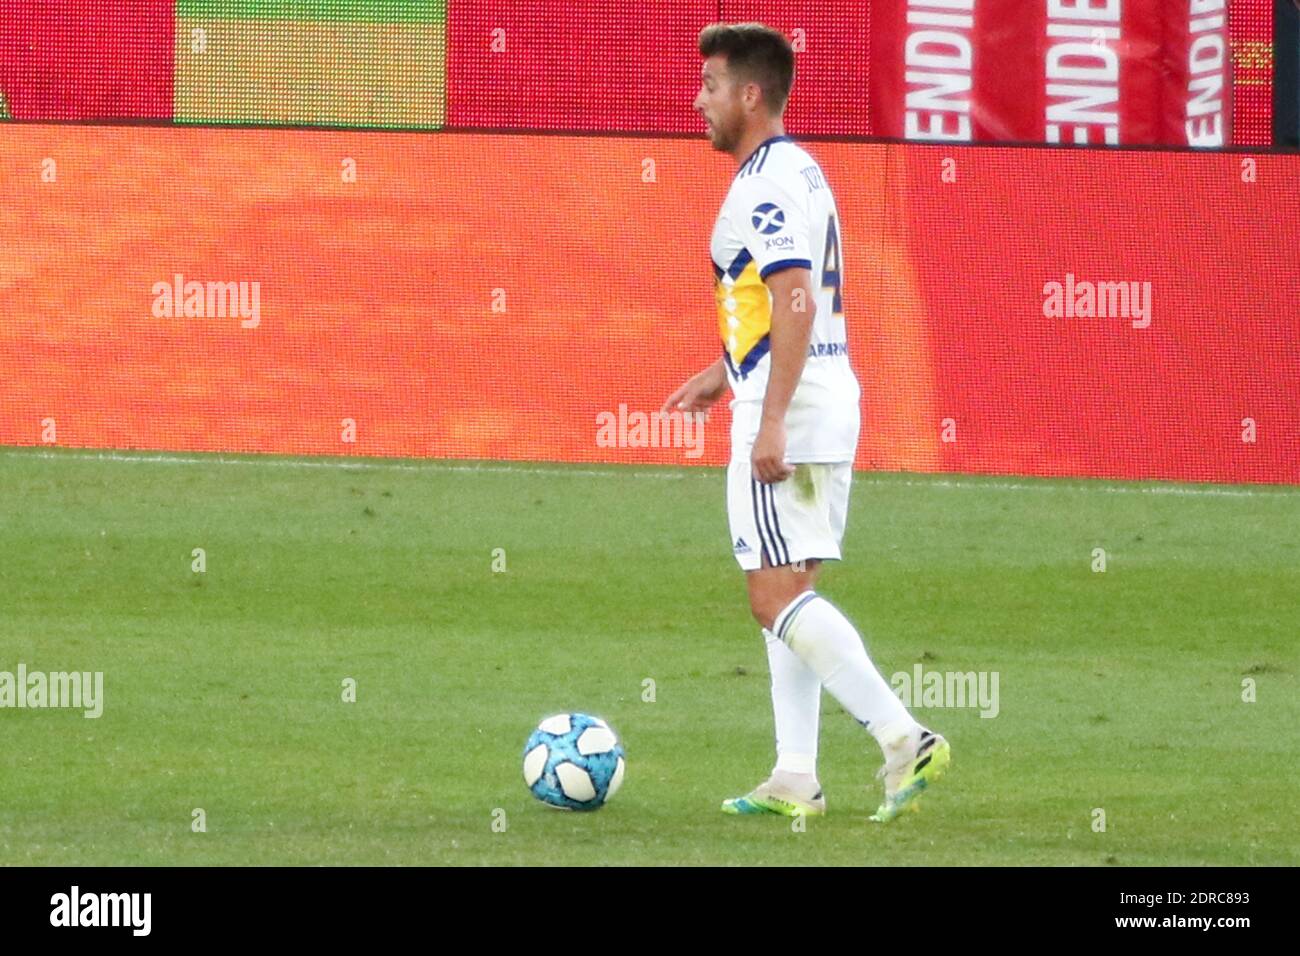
(755, 53)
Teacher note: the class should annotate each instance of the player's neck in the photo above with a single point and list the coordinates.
(755, 138)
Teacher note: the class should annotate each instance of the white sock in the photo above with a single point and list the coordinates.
(796, 704)
(828, 643)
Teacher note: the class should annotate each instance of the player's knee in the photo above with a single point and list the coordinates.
(771, 592)
(764, 611)
(766, 604)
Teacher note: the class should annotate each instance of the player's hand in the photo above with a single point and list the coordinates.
(699, 392)
(768, 457)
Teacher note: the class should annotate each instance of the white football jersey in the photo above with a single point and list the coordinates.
(780, 214)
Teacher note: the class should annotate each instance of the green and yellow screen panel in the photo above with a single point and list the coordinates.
(364, 63)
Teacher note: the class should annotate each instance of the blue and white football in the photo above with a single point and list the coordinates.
(573, 762)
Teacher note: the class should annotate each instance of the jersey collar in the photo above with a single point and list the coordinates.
(767, 142)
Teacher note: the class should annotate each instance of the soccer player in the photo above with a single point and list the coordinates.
(777, 270)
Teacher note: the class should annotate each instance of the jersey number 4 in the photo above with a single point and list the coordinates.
(831, 265)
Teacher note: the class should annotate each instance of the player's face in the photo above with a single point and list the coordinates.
(720, 104)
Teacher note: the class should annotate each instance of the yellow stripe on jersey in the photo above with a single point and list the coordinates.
(744, 311)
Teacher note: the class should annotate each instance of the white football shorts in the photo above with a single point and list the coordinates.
(799, 519)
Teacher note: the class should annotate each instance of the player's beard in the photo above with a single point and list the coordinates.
(725, 136)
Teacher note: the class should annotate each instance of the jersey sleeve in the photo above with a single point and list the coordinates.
(774, 226)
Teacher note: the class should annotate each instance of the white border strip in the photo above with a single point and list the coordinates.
(974, 482)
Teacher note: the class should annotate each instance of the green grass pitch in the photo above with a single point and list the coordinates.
(1120, 691)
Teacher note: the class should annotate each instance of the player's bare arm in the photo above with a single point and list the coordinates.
(700, 391)
(793, 312)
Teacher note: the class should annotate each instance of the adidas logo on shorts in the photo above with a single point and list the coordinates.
(741, 547)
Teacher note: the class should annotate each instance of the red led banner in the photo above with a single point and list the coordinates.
(1010, 310)
(1080, 72)
(1095, 71)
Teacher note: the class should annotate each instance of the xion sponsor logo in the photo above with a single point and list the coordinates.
(208, 300)
(651, 430)
(1083, 71)
(1205, 62)
(1084, 299)
(939, 57)
(75, 908)
(77, 690)
(768, 218)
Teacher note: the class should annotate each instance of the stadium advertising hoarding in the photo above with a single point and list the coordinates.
(1010, 310)
(1168, 72)
(1064, 71)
